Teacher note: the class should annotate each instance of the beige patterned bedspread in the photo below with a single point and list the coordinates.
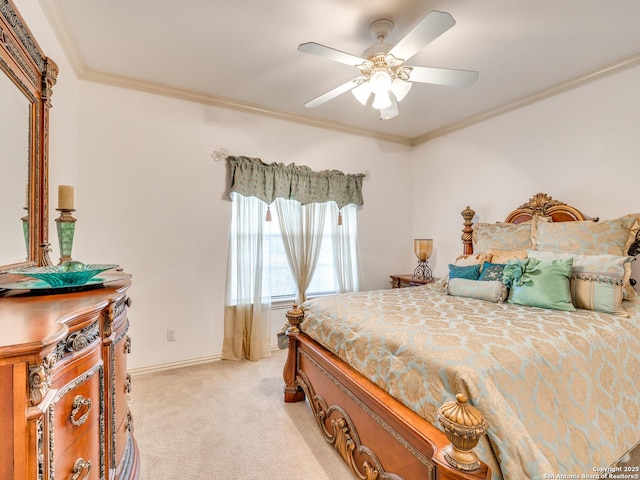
(560, 390)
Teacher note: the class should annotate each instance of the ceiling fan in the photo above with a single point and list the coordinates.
(384, 76)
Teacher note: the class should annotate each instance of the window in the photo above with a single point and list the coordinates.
(277, 280)
(283, 285)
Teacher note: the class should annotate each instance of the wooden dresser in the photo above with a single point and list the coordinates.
(64, 386)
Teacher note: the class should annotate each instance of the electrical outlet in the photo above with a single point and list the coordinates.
(171, 335)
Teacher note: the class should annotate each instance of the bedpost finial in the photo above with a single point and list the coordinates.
(467, 231)
(295, 317)
(468, 213)
(463, 425)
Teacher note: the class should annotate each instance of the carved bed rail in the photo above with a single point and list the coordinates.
(377, 436)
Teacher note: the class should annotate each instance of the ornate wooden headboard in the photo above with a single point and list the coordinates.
(540, 204)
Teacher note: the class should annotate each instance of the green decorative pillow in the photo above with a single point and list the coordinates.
(502, 236)
(597, 281)
(492, 272)
(491, 291)
(470, 272)
(543, 284)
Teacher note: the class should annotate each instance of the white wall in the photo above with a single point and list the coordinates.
(150, 198)
(581, 148)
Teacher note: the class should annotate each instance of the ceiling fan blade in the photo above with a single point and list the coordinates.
(443, 76)
(426, 31)
(331, 94)
(330, 53)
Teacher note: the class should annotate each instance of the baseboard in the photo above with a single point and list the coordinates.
(180, 364)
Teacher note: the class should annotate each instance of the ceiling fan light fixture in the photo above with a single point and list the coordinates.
(400, 88)
(382, 100)
(391, 111)
(380, 81)
(362, 92)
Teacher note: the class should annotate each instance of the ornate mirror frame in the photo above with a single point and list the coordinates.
(22, 60)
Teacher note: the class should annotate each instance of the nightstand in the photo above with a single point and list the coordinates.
(407, 280)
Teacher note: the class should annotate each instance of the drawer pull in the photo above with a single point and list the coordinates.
(127, 384)
(80, 465)
(78, 404)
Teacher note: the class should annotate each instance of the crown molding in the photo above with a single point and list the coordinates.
(614, 68)
(229, 103)
(53, 11)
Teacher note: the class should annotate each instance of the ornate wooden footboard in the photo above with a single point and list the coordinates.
(377, 436)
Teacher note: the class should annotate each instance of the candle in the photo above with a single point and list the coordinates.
(65, 197)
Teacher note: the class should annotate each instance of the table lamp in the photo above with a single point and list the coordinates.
(423, 247)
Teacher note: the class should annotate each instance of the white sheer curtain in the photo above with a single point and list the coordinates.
(247, 316)
(344, 236)
(302, 228)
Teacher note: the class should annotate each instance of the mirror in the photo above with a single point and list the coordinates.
(26, 80)
(14, 184)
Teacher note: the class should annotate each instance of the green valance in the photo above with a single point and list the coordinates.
(252, 177)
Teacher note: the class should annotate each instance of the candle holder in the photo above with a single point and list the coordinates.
(66, 226)
(25, 230)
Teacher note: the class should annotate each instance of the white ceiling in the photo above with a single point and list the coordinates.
(243, 53)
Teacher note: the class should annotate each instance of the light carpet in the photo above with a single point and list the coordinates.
(228, 421)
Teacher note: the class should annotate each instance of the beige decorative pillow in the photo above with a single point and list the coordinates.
(491, 291)
(629, 291)
(537, 219)
(502, 236)
(472, 259)
(613, 237)
(503, 256)
(633, 231)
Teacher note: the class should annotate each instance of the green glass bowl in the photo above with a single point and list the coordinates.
(66, 275)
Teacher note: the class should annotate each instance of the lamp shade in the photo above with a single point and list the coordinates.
(380, 81)
(390, 111)
(362, 92)
(423, 247)
(381, 101)
(400, 88)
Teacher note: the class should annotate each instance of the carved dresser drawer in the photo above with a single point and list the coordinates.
(81, 461)
(76, 423)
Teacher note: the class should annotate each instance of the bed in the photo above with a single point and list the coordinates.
(556, 388)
